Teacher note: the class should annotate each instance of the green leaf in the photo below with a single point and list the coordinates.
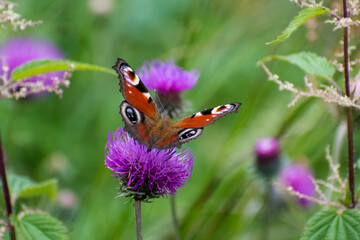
(302, 17)
(38, 226)
(309, 62)
(24, 187)
(332, 225)
(37, 67)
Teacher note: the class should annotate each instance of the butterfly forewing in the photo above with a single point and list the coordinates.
(134, 90)
(208, 116)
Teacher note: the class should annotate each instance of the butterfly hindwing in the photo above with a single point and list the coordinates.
(134, 90)
(136, 123)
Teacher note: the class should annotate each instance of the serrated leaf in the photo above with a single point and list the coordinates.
(332, 225)
(48, 188)
(24, 187)
(309, 62)
(38, 226)
(302, 17)
(37, 67)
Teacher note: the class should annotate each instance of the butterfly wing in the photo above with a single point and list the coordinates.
(142, 119)
(138, 110)
(134, 90)
(192, 127)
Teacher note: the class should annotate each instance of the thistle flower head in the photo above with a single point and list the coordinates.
(146, 173)
(166, 77)
(267, 154)
(18, 51)
(299, 178)
(169, 81)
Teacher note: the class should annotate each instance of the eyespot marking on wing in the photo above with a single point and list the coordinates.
(189, 133)
(129, 75)
(131, 114)
(223, 108)
(208, 116)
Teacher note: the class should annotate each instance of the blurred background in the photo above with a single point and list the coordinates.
(64, 137)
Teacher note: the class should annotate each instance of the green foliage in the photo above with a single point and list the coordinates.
(38, 226)
(24, 187)
(223, 39)
(309, 62)
(36, 67)
(333, 225)
(302, 17)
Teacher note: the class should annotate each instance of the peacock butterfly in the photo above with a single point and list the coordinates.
(143, 121)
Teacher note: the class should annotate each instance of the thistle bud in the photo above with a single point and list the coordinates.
(267, 153)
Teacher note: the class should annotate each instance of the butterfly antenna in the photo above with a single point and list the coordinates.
(159, 104)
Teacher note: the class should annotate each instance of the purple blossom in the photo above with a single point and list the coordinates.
(17, 51)
(299, 178)
(150, 171)
(267, 153)
(166, 77)
(267, 150)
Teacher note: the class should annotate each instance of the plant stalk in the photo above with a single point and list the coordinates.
(138, 219)
(174, 217)
(5, 187)
(349, 111)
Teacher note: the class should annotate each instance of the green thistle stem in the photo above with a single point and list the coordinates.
(174, 217)
(173, 208)
(138, 219)
(5, 187)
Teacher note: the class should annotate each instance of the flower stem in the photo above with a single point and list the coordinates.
(6, 192)
(138, 219)
(174, 217)
(266, 214)
(349, 112)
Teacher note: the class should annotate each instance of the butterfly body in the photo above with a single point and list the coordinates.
(143, 121)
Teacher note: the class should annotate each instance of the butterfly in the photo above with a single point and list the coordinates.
(143, 121)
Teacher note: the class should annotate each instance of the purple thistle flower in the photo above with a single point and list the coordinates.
(146, 173)
(267, 152)
(169, 81)
(299, 178)
(166, 77)
(18, 51)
